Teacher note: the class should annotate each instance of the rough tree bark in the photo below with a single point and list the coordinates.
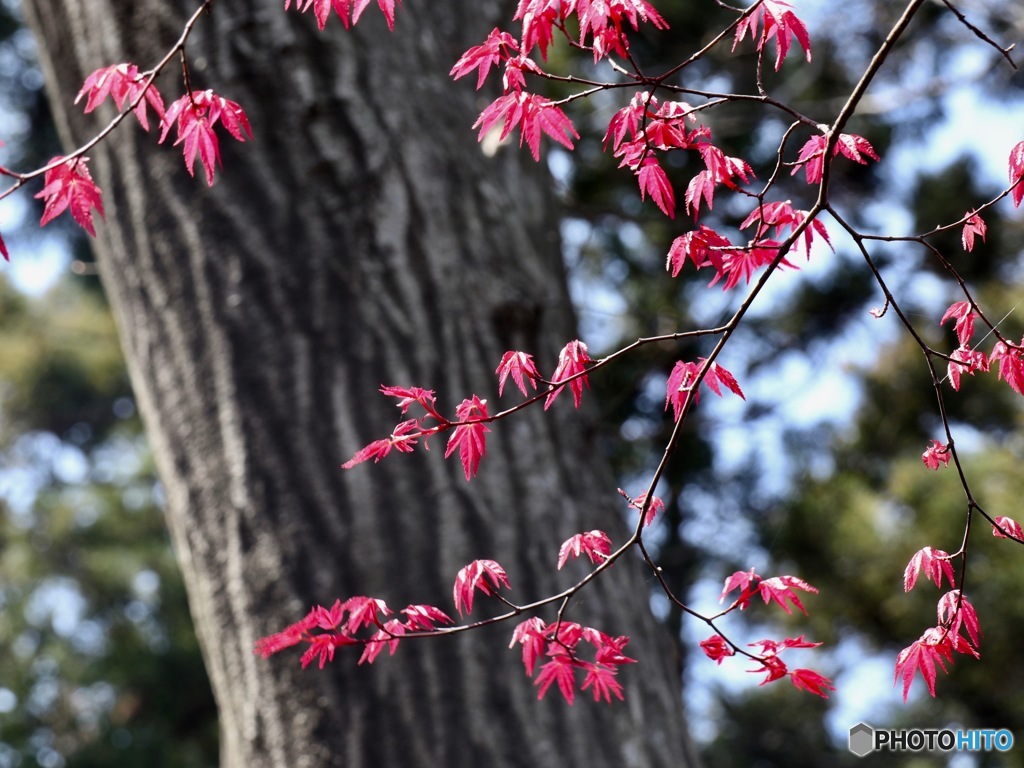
(362, 237)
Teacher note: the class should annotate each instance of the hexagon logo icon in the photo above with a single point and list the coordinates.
(861, 739)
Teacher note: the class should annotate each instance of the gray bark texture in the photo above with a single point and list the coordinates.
(360, 238)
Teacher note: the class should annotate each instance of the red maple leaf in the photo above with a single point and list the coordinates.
(124, 84)
(975, 227)
(402, 439)
(196, 114)
(423, 618)
(601, 680)
(701, 246)
(1010, 525)
(935, 454)
(388, 635)
(780, 23)
(532, 635)
(344, 9)
(934, 563)
(701, 186)
(1016, 169)
(654, 182)
(287, 637)
(1011, 366)
(955, 612)
(782, 216)
(482, 57)
(964, 314)
(965, 360)
(933, 647)
(812, 153)
(716, 648)
(811, 681)
(323, 646)
(656, 505)
(485, 575)
(773, 667)
(717, 377)
(560, 669)
(470, 438)
(68, 186)
(572, 362)
(595, 544)
(747, 582)
(409, 395)
(520, 367)
(538, 18)
(780, 589)
(533, 115)
(679, 387)
(363, 611)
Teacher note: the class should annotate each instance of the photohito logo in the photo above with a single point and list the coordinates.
(864, 739)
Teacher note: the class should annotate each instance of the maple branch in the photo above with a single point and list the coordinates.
(1004, 52)
(179, 45)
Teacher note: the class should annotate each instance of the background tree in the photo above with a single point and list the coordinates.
(360, 238)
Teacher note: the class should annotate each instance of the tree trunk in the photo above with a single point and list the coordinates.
(361, 238)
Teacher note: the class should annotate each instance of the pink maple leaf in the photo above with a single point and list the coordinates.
(291, 635)
(1016, 169)
(601, 680)
(717, 377)
(716, 648)
(124, 84)
(196, 114)
(560, 669)
(482, 57)
(363, 611)
(69, 186)
(640, 502)
(534, 115)
(747, 582)
(934, 563)
(811, 681)
(679, 388)
(485, 575)
(701, 186)
(780, 23)
(323, 646)
(933, 647)
(424, 618)
(409, 395)
(964, 314)
(531, 634)
(1010, 525)
(402, 439)
(955, 612)
(470, 438)
(780, 590)
(975, 227)
(520, 367)
(773, 667)
(595, 544)
(965, 360)
(572, 362)
(388, 635)
(1011, 366)
(701, 246)
(654, 182)
(812, 153)
(935, 454)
